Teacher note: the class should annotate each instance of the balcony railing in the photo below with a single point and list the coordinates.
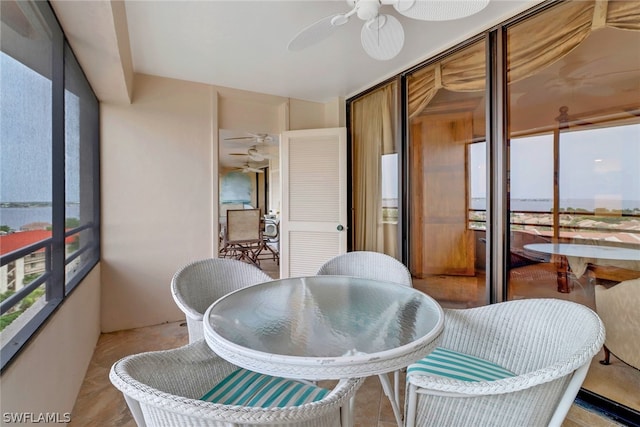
(594, 223)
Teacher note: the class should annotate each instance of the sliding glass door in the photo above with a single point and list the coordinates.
(447, 184)
(574, 156)
(525, 183)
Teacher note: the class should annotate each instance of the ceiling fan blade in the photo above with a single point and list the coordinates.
(438, 10)
(238, 154)
(315, 32)
(239, 137)
(382, 37)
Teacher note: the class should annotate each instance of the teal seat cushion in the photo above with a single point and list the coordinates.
(247, 388)
(460, 366)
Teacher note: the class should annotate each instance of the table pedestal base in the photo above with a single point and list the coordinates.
(562, 266)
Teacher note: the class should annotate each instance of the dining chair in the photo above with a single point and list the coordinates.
(367, 264)
(270, 246)
(243, 235)
(198, 284)
(192, 386)
(375, 266)
(617, 306)
(515, 363)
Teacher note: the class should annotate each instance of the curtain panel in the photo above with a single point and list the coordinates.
(533, 47)
(372, 137)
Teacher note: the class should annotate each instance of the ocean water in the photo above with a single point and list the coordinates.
(17, 217)
(545, 205)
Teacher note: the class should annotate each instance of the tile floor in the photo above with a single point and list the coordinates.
(100, 404)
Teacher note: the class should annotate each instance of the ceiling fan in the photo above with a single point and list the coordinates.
(257, 137)
(382, 36)
(253, 154)
(247, 168)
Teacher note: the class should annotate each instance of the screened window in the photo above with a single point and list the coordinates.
(49, 169)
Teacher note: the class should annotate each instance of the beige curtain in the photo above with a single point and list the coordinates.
(372, 136)
(532, 46)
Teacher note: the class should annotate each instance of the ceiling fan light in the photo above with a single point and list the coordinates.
(383, 37)
(439, 10)
(402, 5)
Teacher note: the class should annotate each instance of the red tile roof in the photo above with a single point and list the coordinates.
(20, 239)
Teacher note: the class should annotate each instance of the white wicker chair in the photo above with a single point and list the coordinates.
(547, 343)
(618, 309)
(370, 265)
(197, 285)
(163, 388)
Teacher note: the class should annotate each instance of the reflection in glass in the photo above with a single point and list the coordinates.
(574, 153)
(447, 203)
(375, 171)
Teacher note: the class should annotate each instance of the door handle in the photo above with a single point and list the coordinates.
(340, 227)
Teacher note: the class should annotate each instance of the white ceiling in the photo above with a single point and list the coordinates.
(243, 44)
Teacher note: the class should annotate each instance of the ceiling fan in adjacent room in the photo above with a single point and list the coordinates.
(247, 168)
(257, 138)
(253, 154)
(382, 36)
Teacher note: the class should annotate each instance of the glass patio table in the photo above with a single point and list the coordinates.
(325, 327)
(577, 257)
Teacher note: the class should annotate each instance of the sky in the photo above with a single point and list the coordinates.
(599, 163)
(25, 143)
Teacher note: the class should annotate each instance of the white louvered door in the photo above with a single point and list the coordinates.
(313, 218)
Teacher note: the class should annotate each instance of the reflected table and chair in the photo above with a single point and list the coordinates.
(577, 258)
(325, 328)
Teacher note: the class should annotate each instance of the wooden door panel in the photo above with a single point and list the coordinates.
(440, 242)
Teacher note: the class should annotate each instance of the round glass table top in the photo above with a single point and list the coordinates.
(586, 251)
(324, 326)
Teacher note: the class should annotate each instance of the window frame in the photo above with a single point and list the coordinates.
(56, 259)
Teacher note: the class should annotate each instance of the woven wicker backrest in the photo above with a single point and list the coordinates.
(163, 388)
(369, 265)
(541, 332)
(200, 283)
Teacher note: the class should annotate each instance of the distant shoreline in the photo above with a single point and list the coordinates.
(546, 205)
(16, 215)
(31, 204)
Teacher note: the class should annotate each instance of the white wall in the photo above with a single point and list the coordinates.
(160, 186)
(49, 371)
(157, 170)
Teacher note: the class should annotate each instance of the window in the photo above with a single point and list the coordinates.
(531, 139)
(574, 152)
(49, 187)
(390, 188)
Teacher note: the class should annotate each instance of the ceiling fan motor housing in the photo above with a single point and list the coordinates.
(367, 9)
